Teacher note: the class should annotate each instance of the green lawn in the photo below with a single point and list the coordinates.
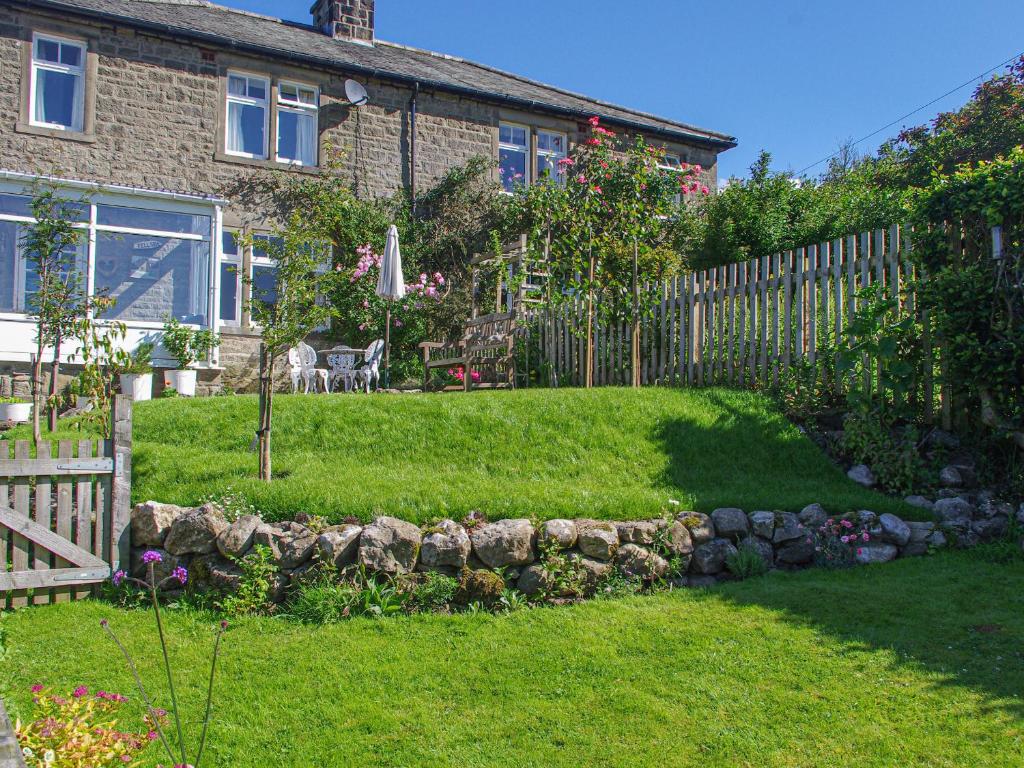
(914, 663)
(607, 453)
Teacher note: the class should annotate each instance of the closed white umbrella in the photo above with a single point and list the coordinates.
(390, 286)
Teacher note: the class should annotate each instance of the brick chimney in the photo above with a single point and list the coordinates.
(345, 19)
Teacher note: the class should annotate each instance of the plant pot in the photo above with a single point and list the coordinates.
(181, 380)
(138, 386)
(15, 411)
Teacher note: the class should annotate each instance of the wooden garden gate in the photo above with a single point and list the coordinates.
(64, 514)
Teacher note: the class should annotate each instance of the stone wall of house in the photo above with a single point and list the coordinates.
(158, 121)
(688, 548)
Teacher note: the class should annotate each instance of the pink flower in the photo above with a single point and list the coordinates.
(565, 162)
(80, 691)
(844, 539)
(152, 735)
(36, 688)
(865, 536)
(846, 524)
(581, 179)
(705, 191)
(366, 303)
(180, 574)
(597, 189)
(398, 323)
(362, 326)
(594, 121)
(152, 556)
(118, 577)
(860, 551)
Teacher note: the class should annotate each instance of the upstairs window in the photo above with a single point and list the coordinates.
(513, 155)
(247, 111)
(57, 92)
(550, 149)
(297, 129)
(672, 164)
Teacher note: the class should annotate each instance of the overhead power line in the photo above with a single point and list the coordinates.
(915, 111)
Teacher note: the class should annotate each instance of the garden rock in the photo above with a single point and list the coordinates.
(795, 552)
(701, 527)
(892, 530)
(216, 573)
(917, 544)
(479, 586)
(389, 545)
(597, 539)
(637, 532)
(161, 570)
(995, 508)
(195, 531)
(503, 543)
(151, 522)
(920, 502)
(595, 570)
(236, 539)
(876, 552)
(763, 547)
(701, 582)
(867, 517)
(788, 528)
(447, 545)
(950, 477)
(990, 528)
(763, 524)
(863, 475)
(677, 539)
(709, 558)
(813, 516)
(339, 545)
(290, 544)
(636, 562)
(559, 531)
(533, 580)
(953, 513)
(730, 522)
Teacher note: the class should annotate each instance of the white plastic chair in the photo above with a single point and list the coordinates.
(369, 372)
(302, 360)
(343, 368)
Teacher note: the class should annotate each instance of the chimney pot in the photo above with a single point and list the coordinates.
(345, 19)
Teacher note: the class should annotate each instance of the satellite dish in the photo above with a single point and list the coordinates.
(355, 93)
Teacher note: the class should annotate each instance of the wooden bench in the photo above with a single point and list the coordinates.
(487, 341)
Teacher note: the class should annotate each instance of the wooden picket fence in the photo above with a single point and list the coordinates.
(64, 514)
(745, 324)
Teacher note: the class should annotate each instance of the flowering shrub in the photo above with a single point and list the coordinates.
(459, 374)
(838, 541)
(80, 731)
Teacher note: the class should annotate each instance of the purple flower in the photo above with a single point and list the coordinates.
(118, 577)
(152, 556)
(180, 574)
(80, 691)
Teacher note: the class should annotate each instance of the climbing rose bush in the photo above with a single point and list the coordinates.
(81, 731)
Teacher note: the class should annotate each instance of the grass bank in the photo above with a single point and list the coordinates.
(914, 663)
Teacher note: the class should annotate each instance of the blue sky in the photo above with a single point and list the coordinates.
(795, 77)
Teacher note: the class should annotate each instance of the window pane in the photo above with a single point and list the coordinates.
(17, 205)
(512, 168)
(9, 237)
(229, 245)
(296, 137)
(246, 129)
(519, 136)
(505, 134)
(73, 260)
(161, 221)
(547, 168)
(48, 50)
(289, 92)
(236, 85)
(56, 93)
(264, 283)
(70, 55)
(257, 89)
(153, 277)
(229, 292)
(261, 252)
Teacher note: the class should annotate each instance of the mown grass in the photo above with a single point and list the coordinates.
(606, 453)
(914, 663)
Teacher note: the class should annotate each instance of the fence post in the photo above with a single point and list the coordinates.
(121, 482)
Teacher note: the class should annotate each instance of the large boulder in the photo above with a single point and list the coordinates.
(504, 542)
(215, 572)
(389, 545)
(990, 528)
(876, 552)
(339, 545)
(813, 516)
(235, 540)
(290, 544)
(862, 474)
(637, 532)
(709, 558)
(795, 552)
(730, 523)
(151, 522)
(195, 531)
(950, 477)
(598, 539)
(917, 544)
(594, 570)
(637, 562)
(954, 513)
(446, 545)
(560, 532)
(533, 580)
(677, 539)
(478, 585)
(701, 527)
(920, 502)
(891, 530)
(788, 528)
(763, 547)
(762, 523)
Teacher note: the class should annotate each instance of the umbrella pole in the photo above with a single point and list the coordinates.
(387, 346)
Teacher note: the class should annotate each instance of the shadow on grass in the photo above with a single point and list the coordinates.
(959, 616)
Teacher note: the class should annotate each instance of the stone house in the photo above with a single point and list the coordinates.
(155, 108)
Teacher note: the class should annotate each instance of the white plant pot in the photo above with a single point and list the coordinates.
(138, 386)
(183, 380)
(15, 411)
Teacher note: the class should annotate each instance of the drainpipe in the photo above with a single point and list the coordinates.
(412, 144)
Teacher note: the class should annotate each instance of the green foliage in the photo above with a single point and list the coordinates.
(746, 563)
(435, 591)
(564, 576)
(141, 360)
(891, 451)
(100, 347)
(252, 598)
(322, 599)
(187, 345)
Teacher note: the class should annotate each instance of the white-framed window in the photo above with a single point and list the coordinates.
(513, 155)
(247, 116)
(57, 86)
(551, 147)
(263, 269)
(297, 123)
(672, 164)
(230, 310)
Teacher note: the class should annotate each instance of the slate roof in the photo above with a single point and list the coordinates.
(207, 23)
